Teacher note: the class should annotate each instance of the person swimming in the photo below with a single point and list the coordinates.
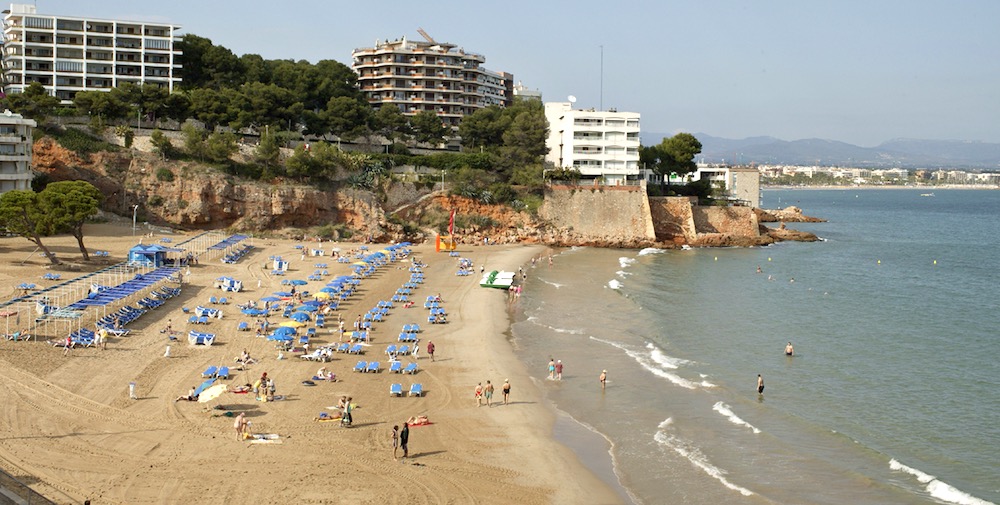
(789, 350)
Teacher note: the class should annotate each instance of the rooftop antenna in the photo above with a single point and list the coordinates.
(425, 36)
(602, 77)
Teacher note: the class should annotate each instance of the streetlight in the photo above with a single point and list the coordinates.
(442, 179)
(135, 209)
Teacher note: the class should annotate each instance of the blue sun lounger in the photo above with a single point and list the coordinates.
(396, 367)
(223, 373)
(343, 347)
(374, 367)
(410, 369)
(355, 349)
(361, 366)
(395, 390)
(210, 371)
(416, 390)
(390, 350)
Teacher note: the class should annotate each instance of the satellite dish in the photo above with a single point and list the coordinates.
(571, 98)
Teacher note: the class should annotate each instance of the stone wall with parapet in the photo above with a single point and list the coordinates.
(605, 214)
(673, 219)
(738, 221)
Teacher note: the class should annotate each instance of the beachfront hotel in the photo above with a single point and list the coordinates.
(429, 76)
(600, 144)
(15, 152)
(70, 54)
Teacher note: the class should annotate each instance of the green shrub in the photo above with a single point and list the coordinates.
(155, 201)
(165, 174)
(182, 204)
(79, 141)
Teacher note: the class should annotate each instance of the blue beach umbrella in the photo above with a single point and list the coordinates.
(299, 316)
(270, 299)
(203, 386)
(280, 338)
(306, 308)
(329, 290)
(282, 293)
(312, 303)
(254, 312)
(298, 282)
(284, 330)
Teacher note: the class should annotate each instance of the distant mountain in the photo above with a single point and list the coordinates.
(905, 153)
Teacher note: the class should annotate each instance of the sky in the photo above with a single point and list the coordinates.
(856, 71)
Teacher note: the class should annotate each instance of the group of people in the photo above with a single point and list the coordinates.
(555, 369)
(264, 388)
(486, 393)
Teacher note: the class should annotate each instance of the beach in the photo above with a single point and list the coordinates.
(71, 431)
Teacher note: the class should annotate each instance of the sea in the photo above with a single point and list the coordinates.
(893, 392)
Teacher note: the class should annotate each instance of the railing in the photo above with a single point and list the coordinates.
(9, 485)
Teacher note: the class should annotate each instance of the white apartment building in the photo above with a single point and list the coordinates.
(70, 54)
(600, 144)
(429, 76)
(15, 151)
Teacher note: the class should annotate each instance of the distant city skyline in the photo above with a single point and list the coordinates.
(852, 71)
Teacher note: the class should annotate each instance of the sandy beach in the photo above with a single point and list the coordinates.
(71, 432)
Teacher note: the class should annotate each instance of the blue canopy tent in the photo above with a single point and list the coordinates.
(150, 255)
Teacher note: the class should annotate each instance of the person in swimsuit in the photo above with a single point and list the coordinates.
(488, 393)
(789, 350)
(760, 385)
(603, 378)
(479, 394)
(506, 390)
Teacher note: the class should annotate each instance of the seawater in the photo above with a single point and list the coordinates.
(892, 396)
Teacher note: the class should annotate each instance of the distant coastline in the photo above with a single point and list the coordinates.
(868, 187)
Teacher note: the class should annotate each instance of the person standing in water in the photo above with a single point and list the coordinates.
(760, 385)
(789, 350)
(603, 378)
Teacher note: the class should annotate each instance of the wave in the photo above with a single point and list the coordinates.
(622, 273)
(659, 365)
(556, 284)
(614, 284)
(695, 456)
(651, 250)
(937, 488)
(553, 328)
(726, 410)
(625, 262)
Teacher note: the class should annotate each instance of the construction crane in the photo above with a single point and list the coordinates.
(425, 36)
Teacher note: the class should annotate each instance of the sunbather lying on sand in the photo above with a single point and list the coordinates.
(418, 421)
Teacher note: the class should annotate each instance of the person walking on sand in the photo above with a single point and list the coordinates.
(559, 367)
(430, 349)
(488, 393)
(552, 369)
(479, 394)
(404, 439)
(603, 378)
(505, 390)
(789, 350)
(395, 440)
(760, 385)
(240, 424)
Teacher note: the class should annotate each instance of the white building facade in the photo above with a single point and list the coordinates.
(430, 76)
(600, 144)
(71, 54)
(15, 152)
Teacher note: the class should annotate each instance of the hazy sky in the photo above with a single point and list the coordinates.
(856, 71)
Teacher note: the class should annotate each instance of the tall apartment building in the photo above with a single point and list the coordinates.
(430, 76)
(597, 143)
(15, 151)
(70, 54)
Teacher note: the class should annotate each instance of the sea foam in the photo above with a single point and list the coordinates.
(614, 284)
(651, 250)
(625, 262)
(695, 456)
(727, 411)
(937, 488)
(659, 366)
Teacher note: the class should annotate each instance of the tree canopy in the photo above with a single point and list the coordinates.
(69, 204)
(673, 155)
(22, 213)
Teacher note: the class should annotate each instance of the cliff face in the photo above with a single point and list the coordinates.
(189, 195)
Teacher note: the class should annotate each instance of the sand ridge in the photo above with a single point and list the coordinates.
(70, 430)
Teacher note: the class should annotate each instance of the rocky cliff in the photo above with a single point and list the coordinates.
(191, 195)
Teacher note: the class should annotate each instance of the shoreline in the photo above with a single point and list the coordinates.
(71, 428)
(893, 187)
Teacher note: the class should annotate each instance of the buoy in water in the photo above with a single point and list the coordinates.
(935, 262)
(879, 262)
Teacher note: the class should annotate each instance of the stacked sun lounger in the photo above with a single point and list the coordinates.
(199, 338)
(238, 254)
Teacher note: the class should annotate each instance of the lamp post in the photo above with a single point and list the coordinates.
(442, 179)
(135, 209)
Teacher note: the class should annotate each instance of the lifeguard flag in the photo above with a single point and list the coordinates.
(451, 223)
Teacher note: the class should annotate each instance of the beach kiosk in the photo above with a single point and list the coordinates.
(151, 255)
